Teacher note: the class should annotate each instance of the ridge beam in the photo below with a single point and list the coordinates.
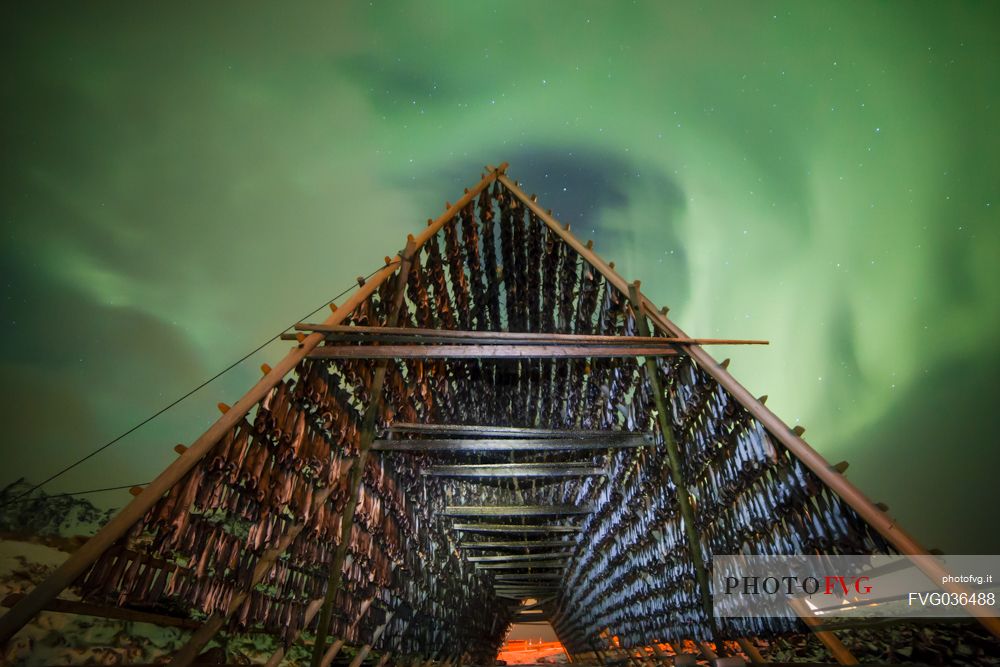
(561, 444)
(515, 510)
(516, 470)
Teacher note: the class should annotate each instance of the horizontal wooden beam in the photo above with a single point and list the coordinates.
(415, 334)
(512, 528)
(528, 578)
(476, 430)
(510, 558)
(459, 445)
(102, 611)
(515, 510)
(540, 564)
(537, 604)
(515, 470)
(487, 351)
(518, 544)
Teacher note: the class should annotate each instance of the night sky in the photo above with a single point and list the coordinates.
(180, 184)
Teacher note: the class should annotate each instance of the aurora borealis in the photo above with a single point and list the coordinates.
(179, 184)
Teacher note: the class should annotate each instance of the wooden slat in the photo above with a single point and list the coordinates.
(509, 558)
(541, 564)
(515, 510)
(416, 334)
(537, 604)
(519, 544)
(476, 430)
(512, 528)
(458, 445)
(102, 611)
(478, 351)
(528, 578)
(515, 470)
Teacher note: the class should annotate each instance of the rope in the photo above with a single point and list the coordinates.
(189, 393)
(22, 499)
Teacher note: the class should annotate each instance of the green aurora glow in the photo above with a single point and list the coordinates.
(179, 184)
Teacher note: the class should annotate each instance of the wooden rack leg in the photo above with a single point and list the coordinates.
(366, 649)
(756, 657)
(673, 455)
(707, 650)
(836, 647)
(311, 612)
(372, 414)
(332, 652)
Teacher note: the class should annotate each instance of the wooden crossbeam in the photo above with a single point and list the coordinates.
(530, 618)
(515, 470)
(479, 351)
(102, 611)
(477, 431)
(541, 564)
(528, 578)
(515, 510)
(422, 335)
(519, 544)
(510, 558)
(537, 604)
(512, 528)
(458, 445)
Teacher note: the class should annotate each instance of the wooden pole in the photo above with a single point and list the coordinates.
(84, 557)
(673, 455)
(367, 435)
(488, 351)
(836, 647)
(756, 657)
(332, 652)
(418, 335)
(311, 612)
(876, 518)
(706, 650)
(366, 649)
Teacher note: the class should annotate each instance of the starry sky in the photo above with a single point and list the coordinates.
(181, 183)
